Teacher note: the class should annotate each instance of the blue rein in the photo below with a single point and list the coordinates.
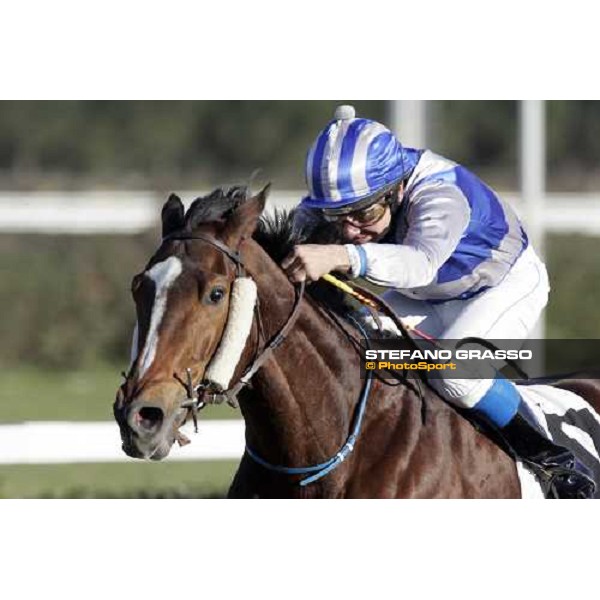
(326, 467)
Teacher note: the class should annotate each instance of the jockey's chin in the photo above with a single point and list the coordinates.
(361, 238)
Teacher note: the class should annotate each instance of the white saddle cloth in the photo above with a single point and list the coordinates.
(569, 421)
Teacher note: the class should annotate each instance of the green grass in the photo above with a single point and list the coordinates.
(118, 480)
(31, 394)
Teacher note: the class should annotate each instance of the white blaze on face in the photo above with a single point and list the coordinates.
(134, 345)
(163, 274)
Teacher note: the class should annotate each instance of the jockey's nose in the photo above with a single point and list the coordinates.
(350, 230)
(145, 419)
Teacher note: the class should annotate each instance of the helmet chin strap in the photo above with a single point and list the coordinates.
(220, 370)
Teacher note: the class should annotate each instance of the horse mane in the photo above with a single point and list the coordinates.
(216, 206)
(276, 233)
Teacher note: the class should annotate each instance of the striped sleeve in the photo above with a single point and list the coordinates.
(437, 218)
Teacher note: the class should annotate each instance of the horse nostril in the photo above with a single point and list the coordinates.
(148, 419)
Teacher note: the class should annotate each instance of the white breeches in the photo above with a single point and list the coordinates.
(507, 311)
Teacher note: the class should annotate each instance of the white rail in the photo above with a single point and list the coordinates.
(71, 442)
(132, 212)
(95, 212)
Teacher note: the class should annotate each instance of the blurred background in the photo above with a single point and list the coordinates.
(81, 186)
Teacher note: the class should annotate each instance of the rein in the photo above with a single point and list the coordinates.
(320, 470)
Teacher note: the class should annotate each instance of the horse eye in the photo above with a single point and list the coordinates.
(216, 295)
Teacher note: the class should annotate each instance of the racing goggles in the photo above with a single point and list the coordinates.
(364, 216)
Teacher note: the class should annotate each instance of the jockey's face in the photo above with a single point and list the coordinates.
(356, 231)
(362, 233)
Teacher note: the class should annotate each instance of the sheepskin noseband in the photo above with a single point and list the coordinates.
(237, 329)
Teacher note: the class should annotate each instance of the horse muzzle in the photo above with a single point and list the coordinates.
(147, 431)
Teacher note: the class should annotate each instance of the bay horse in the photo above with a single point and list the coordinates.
(299, 406)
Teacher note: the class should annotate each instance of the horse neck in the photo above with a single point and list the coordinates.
(301, 402)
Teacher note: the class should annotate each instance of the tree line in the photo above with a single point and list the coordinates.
(166, 144)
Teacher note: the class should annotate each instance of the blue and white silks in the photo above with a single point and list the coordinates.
(452, 236)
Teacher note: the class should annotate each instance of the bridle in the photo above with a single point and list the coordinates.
(200, 394)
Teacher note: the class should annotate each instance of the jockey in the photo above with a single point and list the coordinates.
(450, 251)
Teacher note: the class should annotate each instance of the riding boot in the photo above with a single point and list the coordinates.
(561, 475)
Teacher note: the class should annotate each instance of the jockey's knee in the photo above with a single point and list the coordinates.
(465, 393)
(496, 400)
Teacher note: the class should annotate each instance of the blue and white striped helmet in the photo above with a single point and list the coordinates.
(351, 162)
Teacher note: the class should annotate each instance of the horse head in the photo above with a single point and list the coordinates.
(183, 299)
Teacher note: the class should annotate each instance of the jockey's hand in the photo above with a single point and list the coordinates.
(312, 261)
(388, 327)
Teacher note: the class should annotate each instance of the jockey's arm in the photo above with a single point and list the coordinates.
(437, 219)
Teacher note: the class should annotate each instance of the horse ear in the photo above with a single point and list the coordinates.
(172, 215)
(243, 221)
